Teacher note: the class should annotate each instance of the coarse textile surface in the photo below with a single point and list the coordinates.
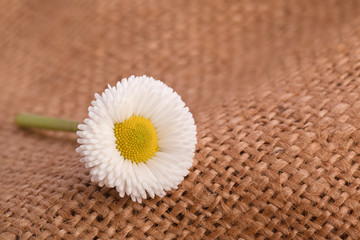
(274, 87)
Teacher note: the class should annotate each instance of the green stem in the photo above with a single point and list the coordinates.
(25, 120)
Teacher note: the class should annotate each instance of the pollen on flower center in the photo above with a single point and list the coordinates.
(136, 139)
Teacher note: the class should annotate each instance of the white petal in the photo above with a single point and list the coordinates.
(176, 133)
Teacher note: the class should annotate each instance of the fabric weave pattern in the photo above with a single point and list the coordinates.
(274, 88)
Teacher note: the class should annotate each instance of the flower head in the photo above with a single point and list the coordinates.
(139, 138)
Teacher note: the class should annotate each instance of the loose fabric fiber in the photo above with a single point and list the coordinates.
(274, 88)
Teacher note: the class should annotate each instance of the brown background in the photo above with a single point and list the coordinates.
(274, 88)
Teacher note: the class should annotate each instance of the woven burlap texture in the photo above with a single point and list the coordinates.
(274, 88)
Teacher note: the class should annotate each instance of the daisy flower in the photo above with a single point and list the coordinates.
(139, 138)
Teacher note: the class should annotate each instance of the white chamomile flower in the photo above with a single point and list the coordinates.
(139, 138)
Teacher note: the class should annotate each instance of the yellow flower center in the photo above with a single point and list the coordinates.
(136, 139)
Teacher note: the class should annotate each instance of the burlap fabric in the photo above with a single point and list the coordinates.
(274, 88)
